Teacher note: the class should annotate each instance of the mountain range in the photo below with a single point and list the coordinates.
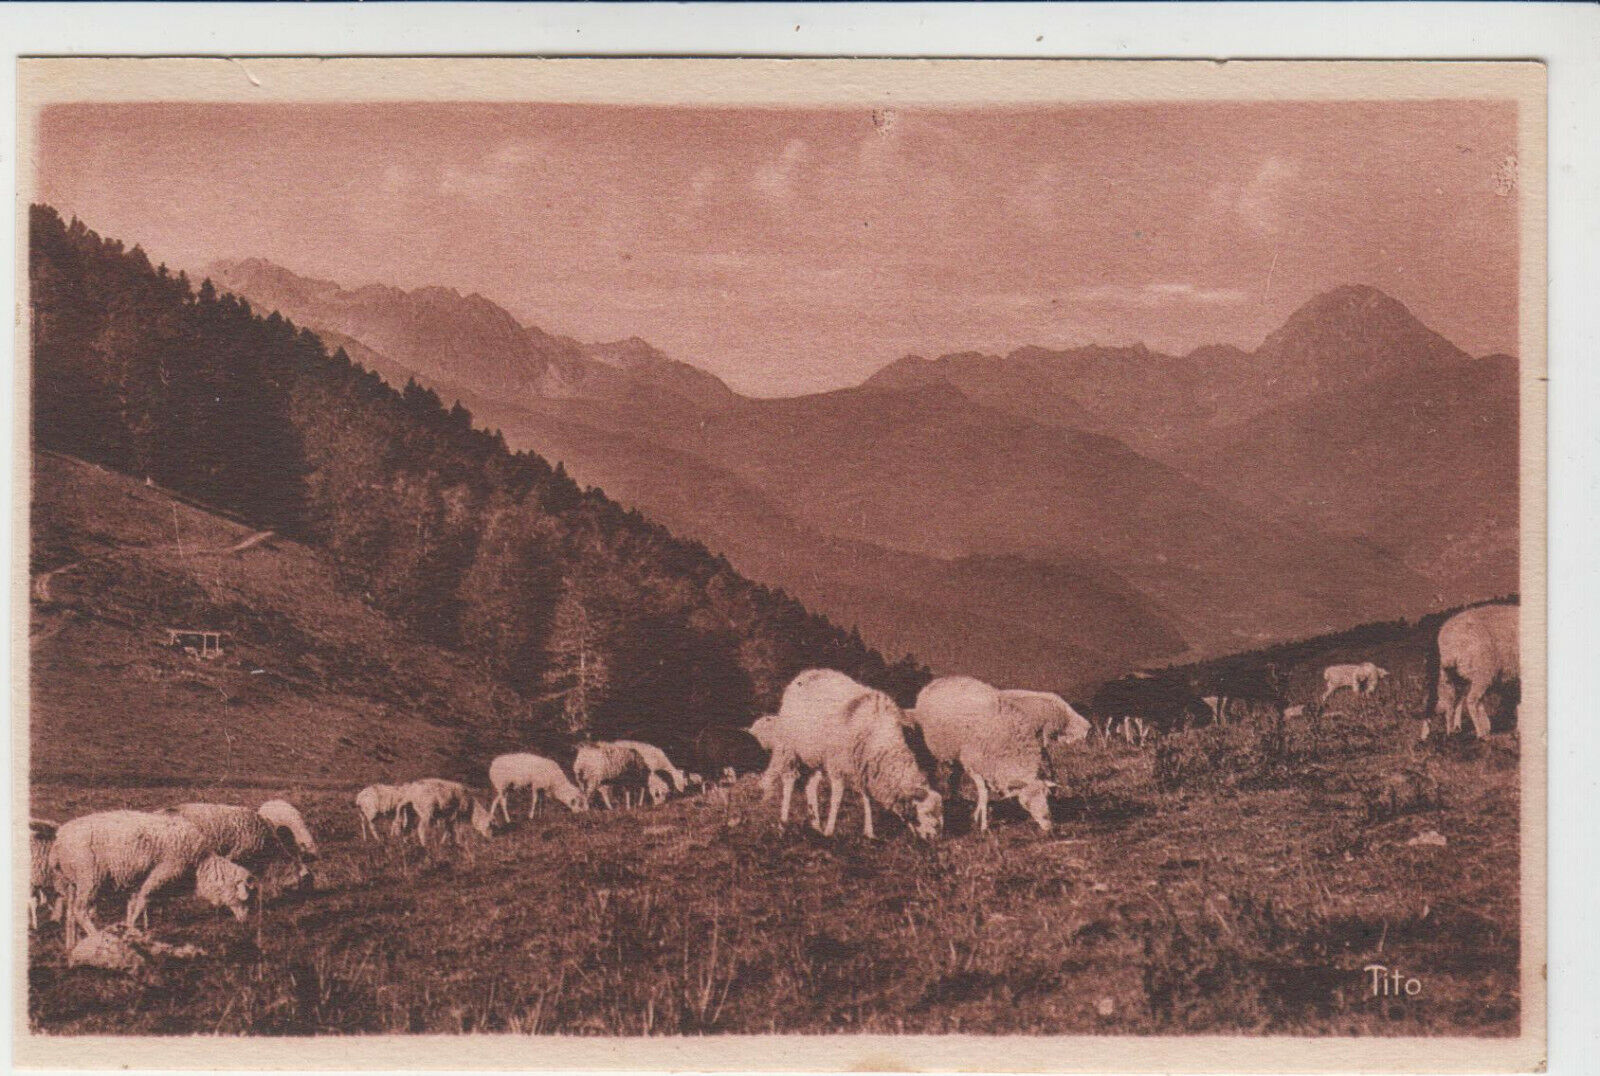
(1045, 517)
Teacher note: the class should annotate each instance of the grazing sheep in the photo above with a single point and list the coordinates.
(120, 850)
(433, 799)
(996, 740)
(242, 835)
(282, 815)
(658, 762)
(539, 775)
(857, 735)
(1478, 651)
(1052, 716)
(795, 746)
(607, 767)
(379, 801)
(41, 888)
(1361, 679)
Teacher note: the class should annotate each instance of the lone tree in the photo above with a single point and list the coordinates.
(578, 669)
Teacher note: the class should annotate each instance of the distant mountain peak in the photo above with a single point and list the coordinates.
(1355, 327)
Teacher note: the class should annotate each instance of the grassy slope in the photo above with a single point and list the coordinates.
(1222, 883)
(314, 685)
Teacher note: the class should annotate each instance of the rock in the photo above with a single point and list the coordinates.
(1430, 837)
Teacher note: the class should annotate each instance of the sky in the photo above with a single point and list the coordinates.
(797, 250)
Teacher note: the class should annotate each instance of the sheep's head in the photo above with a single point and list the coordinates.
(1381, 672)
(1035, 799)
(482, 820)
(573, 800)
(657, 788)
(729, 775)
(926, 814)
(226, 884)
(1077, 727)
(761, 729)
(694, 780)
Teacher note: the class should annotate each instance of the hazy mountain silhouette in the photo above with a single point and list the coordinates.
(989, 513)
(1354, 417)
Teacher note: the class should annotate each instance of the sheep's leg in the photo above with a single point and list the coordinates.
(33, 911)
(980, 814)
(866, 816)
(499, 803)
(1477, 710)
(813, 800)
(788, 778)
(533, 803)
(605, 797)
(835, 797)
(140, 900)
(78, 917)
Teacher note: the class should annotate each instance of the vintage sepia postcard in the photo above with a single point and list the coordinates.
(758, 564)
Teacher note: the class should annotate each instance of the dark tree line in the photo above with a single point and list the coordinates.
(600, 621)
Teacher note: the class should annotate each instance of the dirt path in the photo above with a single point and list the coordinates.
(41, 582)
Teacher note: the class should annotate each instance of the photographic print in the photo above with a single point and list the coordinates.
(782, 563)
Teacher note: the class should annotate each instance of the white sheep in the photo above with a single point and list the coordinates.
(41, 887)
(658, 762)
(607, 767)
(433, 799)
(997, 740)
(242, 835)
(539, 775)
(767, 731)
(114, 851)
(1052, 716)
(289, 822)
(862, 747)
(379, 801)
(795, 744)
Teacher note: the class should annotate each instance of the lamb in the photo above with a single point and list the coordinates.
(433, 799)
(606, 767)
(862, 747)
(794, 742)
(283, 815)
(379, 801)
(41, 888)
(539, 775)
(242, 835)
(997, 740)
(658, 762)
(146, 852)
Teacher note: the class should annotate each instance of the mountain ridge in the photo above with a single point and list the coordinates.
(1110, 444)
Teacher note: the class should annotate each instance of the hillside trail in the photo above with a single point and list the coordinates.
(41, 582)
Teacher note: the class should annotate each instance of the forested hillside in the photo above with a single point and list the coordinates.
(601, 621)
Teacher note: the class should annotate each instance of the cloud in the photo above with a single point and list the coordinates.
(1157, 294)
(776, 179)
(1260, 203)
(500, 172)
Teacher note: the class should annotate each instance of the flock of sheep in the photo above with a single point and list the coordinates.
(219, 849)
(828, 727)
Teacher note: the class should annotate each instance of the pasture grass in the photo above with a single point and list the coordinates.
(1231, 880)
